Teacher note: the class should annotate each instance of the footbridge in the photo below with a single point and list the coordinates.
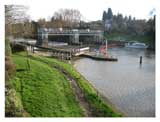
(71, 35)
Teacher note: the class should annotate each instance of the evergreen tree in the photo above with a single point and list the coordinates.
(104, 16)
(109, 14)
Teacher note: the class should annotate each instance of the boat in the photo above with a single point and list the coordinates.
(136, 45)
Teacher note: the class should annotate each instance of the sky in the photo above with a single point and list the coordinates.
(92, 9)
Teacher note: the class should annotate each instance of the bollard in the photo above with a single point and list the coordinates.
(140, 60)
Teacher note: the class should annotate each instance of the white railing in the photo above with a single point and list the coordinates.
(67, 31)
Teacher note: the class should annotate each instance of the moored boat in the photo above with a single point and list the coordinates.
(136, 45)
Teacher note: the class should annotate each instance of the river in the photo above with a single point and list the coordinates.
(129, 86)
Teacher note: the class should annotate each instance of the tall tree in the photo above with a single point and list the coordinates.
(109, 14)
(104, 17)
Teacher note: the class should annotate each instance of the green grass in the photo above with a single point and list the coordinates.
(98, 106)
(44, 92)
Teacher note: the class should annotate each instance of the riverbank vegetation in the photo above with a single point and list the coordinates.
(125, 37)
(98, 106)
(43, 91)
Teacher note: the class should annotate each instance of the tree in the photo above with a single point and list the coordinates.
(30, 29)
(151, 31)
(14, 14)
(67, 17)
(104, 17)
(129, 19)
(42, 22)
(71, 15)
(109, 14)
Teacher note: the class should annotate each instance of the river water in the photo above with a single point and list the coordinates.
(128, 86)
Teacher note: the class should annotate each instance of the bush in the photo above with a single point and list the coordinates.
(13, 104)
(17, 48)
(7, 48)
(9, 68)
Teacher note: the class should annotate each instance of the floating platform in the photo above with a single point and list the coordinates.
(98, 57)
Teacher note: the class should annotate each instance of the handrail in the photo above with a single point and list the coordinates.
(82, 31)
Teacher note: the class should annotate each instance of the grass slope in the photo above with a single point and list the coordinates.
(99, 107)
(43, 90)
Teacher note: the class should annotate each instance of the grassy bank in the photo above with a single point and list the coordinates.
(45, 92)
(98, 106)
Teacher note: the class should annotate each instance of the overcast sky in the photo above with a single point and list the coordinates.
(91, 9)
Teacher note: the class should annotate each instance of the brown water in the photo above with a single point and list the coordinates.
(129, 86)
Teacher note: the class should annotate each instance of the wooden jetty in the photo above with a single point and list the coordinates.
(92, 55)
(69, 53)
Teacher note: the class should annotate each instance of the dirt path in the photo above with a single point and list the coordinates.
(78, 93)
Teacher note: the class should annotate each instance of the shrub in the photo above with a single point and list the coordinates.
(9, 68)
(7, 48)
(13, 104)
(17, 48)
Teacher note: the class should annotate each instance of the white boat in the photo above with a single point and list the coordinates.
(136, 45)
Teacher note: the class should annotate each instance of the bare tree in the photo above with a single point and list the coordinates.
(42, 22)
(15, 17)
(68, 17)
(15, 14)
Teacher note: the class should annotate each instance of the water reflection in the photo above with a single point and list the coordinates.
(127, 84)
